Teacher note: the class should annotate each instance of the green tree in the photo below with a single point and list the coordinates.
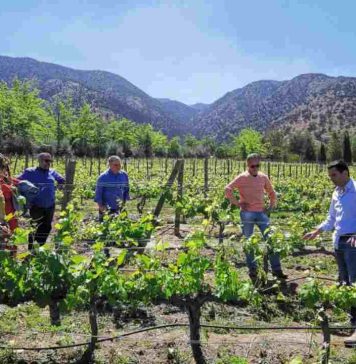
(124, 133)
(275, 144)
(322, 153)
(334, 147)
(353, 147)
(296, 143)
(160, 144)
(24, 121)
(145, 141)
(64, 115)
(347, 152)
(191, 144)
(309, 151)
(174, 148)
(224, 150)
(88, 133)
(248, 141)
(209, 145)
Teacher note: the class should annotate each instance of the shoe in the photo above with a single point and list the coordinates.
(253, 276)
(350, 342)
(279, 274)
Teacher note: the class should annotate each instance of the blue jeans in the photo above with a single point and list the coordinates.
(248, 220)
(345, 256)
(346, 261)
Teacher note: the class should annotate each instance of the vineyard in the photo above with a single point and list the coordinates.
(166, 281)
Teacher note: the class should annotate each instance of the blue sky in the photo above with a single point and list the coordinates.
(191, 51)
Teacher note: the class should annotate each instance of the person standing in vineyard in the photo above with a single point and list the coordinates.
(7, 208)
(43, 205)
(342, 219)
(112, 188)
(252, 186)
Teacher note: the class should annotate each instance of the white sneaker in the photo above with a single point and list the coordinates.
(350, 342)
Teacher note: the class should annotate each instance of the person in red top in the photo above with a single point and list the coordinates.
(252, 186)
(8, 186)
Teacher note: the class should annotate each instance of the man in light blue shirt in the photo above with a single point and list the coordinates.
(342, 219)
(112, 188)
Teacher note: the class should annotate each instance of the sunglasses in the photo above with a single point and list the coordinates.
(255, 166)
(48, 160)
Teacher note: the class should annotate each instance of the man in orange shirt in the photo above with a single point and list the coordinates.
(252, 186)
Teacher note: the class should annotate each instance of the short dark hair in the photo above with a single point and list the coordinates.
(44, 155)
(253, 156)
(339, 165)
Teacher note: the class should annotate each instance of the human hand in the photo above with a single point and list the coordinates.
(5, 231)
(243, 205)
(352, 241)
(311, 235)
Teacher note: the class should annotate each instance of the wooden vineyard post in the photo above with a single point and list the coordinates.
(278, 167)
(26, 160)
(168, 185)
(326, 337)
(179, 198)
(91, 167)
(15, 164)
(269, 170)
(206, 176)
(69, 185)
(99, 166)
(147, 169)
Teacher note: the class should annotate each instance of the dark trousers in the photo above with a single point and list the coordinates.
(42, 221)
(345, 256)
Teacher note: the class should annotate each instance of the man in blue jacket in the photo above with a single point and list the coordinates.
(112, 188)
(43, 205)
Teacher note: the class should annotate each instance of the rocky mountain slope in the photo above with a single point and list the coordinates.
(315, 102)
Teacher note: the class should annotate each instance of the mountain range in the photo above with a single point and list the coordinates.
(316, 102)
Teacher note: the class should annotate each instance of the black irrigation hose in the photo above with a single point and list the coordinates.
(300, 278)
(151, 328)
